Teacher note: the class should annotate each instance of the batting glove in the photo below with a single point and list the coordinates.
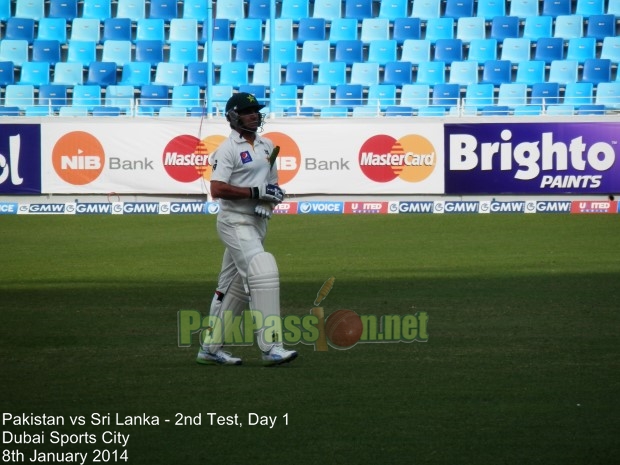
(269, 192)
(264, 210)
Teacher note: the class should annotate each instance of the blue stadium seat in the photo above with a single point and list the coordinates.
(136, 74)
(516, 49)
(358, 9)
(334, 111)
(221, 30)
(560, 110)
(613, 7)
(284, 30)
(283, 96)
(364, 111)
(426, 9)
(117, 29)
(343, 29)
(261, 75)
(431, 73)
(504, 27)
(32, 9)
(46, 50)
(230, 9)
(195, 9)
(415, 96)
(220, 95)
(20, 29)
(579, 93)
(69, 74)
(597, 110)
(35, 73)
(545, 93)
(608, 94)
(470, 28)
(222, 52)
(489, 9)
(169, 74)
(394, 9)
(481, 50)
(463, 73)
(5, 10)
(364, 73)
(101, 73)
(349, 95)
(439, 28)
(568, 26)
(374, 29)
(11, 111)
(283, 52)
(459, 9)
(132, 9)
(52, 29)
(311, 29)
(530, 72)
(587, 8)
(82, 52)
(448, 50)
(446, 95)
(97, 9)
(496, 72)
(555, 8)
(183, 29)
(601, 26)
(149, 29)
(596, 70)
(86, 29)
(234, 74)
(106, 111)
(258, 91)
(406, 28)
(398, 73)
(581, 48)
(349, 51)
(563, 71)
(197, 75)
(183, 52)
(7, 73)
(299, 73)
(611, 49)
(118, 51)
(398, 110)
(316, 96)
(65, 9)
(524, 8)
(186, 96)
(250, 51)
(381, 96)
(327, 9)
(549, 49)
(382, 51)
(71, 111)
(150, 51)
(259, 9)
(86, 96)
(295, 9)
(172, 112)
(248, 29)
(163, 9)
(154, 96)
(19, 95)
(535, 27)
(316, 51)
(15, 51)
(478, 96)
(416, 51)
(332, 73)
(512, 95)
(53, 96)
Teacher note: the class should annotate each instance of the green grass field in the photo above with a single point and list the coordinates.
(521, 365)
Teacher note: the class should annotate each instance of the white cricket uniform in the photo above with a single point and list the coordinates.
(238, 163)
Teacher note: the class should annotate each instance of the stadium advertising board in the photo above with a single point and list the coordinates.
(532, 158)
(158, 156)
(20, 159)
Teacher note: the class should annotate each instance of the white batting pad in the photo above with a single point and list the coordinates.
(264, 283)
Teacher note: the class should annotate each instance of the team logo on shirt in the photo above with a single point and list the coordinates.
(245, 157)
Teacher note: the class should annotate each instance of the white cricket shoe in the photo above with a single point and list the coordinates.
(278, 355)
(220, 357)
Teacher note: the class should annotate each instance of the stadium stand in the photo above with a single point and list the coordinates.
(384, 47)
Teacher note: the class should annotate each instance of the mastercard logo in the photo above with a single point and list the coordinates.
(411, 158)
(78, 158)
(289, 159)
(186, 158)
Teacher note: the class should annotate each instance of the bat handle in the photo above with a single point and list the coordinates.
(321, 343)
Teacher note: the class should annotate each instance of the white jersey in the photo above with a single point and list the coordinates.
(238, 163)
